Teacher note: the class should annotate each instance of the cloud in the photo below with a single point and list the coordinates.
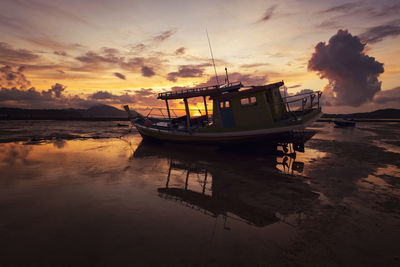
(9, 55)
(388, 96)
(18, 95)
(185, 71)
(180, 51)
(294, 86)
(110, 50)
(56, 98)
(343, 7)
(60, 53)
(353, 75)
(378, 33)
(55, 91)
(164, 35)
(119, 75)
(111, 58)
(254, 65)
(268, 13)
(137, 48)
(40, 9)
(329, 24)
(94, 58)
(141, 97)
(385, 10)
(147, 71)
(102, 95)
(12, 78)
(245, 79)
(14, 92)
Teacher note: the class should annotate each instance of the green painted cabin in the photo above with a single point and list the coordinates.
(259, 107)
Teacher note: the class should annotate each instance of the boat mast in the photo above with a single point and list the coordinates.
(212, 56)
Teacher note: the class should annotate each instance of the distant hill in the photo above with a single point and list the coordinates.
(104, 111)
(99, 112)
(389, 113)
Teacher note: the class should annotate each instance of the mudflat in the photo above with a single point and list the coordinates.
(92, 193)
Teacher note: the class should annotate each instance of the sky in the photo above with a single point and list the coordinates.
(78, 53)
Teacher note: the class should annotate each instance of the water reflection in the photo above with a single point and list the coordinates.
(242, 185)
(12, 154)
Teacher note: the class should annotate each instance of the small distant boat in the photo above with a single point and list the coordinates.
(345, 123)
(240, 114)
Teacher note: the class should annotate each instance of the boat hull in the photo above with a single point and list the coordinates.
(291, 134)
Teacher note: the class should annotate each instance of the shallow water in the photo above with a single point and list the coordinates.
(69, 199)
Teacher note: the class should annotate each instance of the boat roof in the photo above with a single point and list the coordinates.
(251, 90)
(201, 91)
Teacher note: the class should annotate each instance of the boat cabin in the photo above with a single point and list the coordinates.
(252, 108)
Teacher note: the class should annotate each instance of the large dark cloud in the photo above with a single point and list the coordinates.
(378, 33)
(353, 75)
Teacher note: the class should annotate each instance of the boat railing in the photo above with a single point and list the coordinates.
(302, 102)
(162, 113)
(196, 90)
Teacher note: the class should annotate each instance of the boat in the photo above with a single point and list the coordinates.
(240, 114)
(345, 123)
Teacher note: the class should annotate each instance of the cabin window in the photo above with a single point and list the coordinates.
(248, 101)
(244, 101)
(224, 104)
(268, 97)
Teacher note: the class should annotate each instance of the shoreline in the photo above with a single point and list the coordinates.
(127, 119)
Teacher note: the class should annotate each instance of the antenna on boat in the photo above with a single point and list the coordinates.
(212, 56)
(227, 77)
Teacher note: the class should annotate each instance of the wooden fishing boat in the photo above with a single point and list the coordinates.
(240, 114)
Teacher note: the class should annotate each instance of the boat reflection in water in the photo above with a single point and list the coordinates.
(255, 187)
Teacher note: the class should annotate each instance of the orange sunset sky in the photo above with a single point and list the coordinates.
(78, 53)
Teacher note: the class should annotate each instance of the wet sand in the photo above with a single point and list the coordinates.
(93, 194)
